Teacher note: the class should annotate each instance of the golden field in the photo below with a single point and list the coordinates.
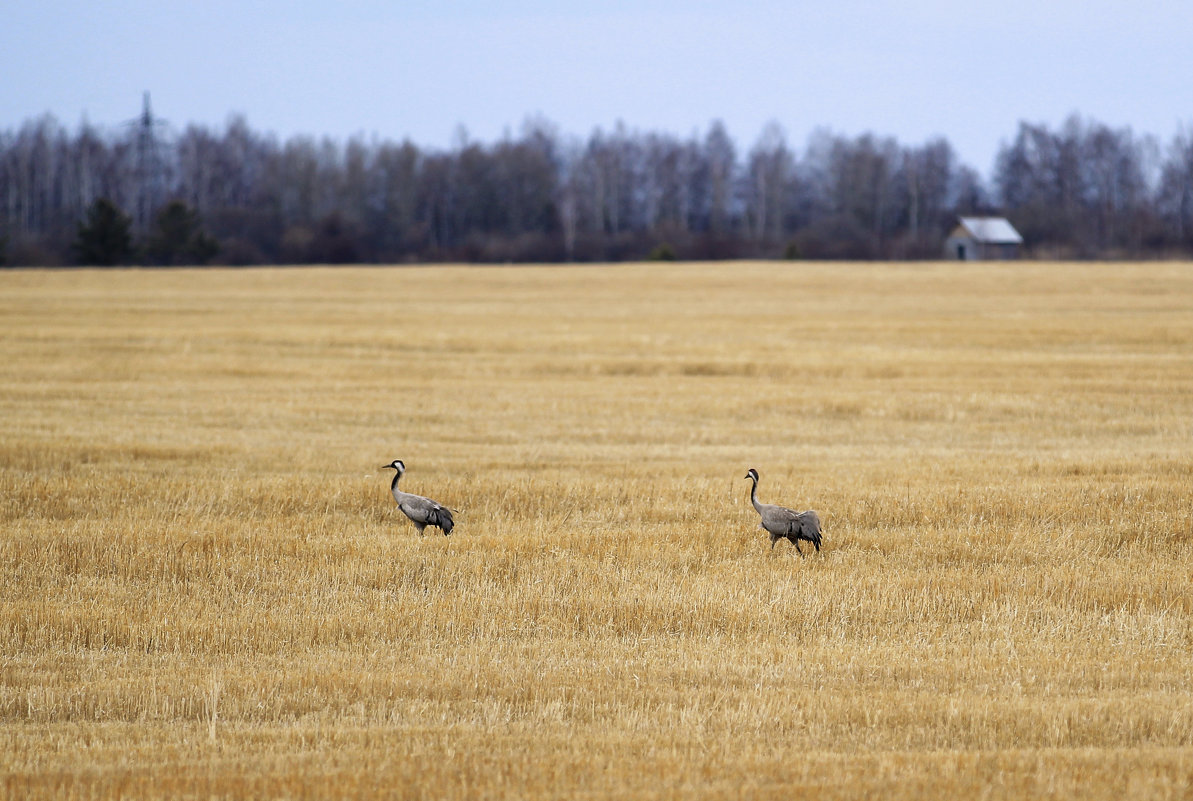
(209, 592)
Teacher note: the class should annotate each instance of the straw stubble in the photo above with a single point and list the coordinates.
(208, 590)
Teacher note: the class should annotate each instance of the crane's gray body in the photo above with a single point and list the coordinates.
(783, 523)
(422, 511)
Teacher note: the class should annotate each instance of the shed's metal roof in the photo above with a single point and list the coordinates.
(991, 230)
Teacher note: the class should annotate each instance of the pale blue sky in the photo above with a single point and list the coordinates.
(912, 69)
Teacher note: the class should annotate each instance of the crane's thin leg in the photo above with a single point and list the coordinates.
(773, 539)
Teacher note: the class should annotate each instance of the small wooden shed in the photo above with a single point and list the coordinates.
(977, 238)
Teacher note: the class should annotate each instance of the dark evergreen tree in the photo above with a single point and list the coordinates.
(334, 242)
(178, 238)
(105, 238)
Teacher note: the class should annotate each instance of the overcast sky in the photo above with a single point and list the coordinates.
(912, 69)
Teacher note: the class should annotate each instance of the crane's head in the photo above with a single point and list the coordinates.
(752, 473)
(396, 464)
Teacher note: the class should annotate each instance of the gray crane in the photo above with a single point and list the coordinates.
(781, 522)
(422, 511)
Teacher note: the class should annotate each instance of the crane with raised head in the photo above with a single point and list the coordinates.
(783, 523)
(422, 511)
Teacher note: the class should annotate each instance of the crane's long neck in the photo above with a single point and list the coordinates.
(393, 485)
(754, 493)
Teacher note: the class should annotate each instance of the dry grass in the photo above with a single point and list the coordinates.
(207, 590)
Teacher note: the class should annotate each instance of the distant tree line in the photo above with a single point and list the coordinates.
(234, 196)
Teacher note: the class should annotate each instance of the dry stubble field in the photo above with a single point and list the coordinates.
(207, 590)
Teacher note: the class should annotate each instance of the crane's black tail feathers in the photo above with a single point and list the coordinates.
(807, 531)
(442, 517)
